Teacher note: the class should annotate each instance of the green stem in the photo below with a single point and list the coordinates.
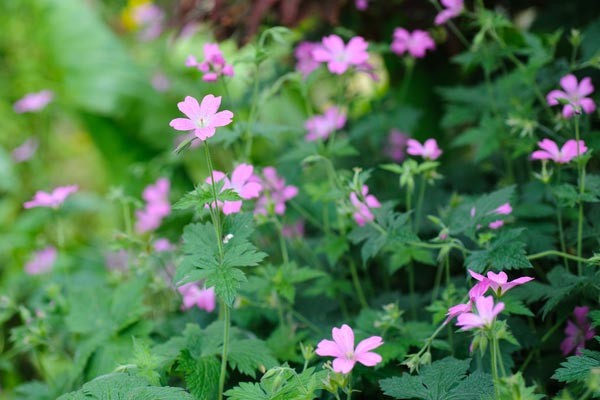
(437, 282)
(420, 198)
(252, 115)
(581, 176)
(561, 231)
(357, 286)
(282, 244)
(226, 323)
(556, 253)
(447, 270)
(60, 231)
(127, 218)
(411, 289)
(409, 62)
(349, 393)
(499, 356)
(494, 365)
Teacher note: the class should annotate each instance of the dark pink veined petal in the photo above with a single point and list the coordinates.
(585, 87)
(328, 348)
(344, 337)
(182, 124)
(190, 107)
(343, 365)
(221, 118)
(368, 344)
(498, 278)
(209, 106)
(569, 84)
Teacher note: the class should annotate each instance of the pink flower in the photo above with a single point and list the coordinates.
(486, 313)
(52, 200)
(504, 209)
(415, 43)
(162, 245)
(550, 151)
(275, 193)
(429, 150)
(578, 332)
(117, 260)
(305, 62)
(342, 348)
(214, 64)
(204, 299)
(340, 57)
(321, 126)
(499, 282)
(42, 261)
(396, 145)
(293, 230)
(242, 182)
(25, 151)
(149, 18)
(575, 94)
(476, 291)
(452, 8)
(33, 102)
(362, 209)
(157, 206)
(361, 5)
(203, 119)
(160, 82)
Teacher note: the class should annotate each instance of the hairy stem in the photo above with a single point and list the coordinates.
(357, 286)
(581, 176)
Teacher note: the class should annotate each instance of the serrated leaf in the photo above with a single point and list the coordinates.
(203, 194)
(250, 355)
(577, 368)
(201, 375)
(506, 252)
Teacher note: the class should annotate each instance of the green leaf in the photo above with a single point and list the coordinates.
(203, 194)
(577, 368)
(250, 355)
(514, 387)
(506, 252)
(201, 375)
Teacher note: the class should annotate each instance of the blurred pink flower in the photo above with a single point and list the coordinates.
(361, 4)
(486, 313)
(452, 8)
(157, 206)
(160, 82)
(162, 245)
(33, 102)
(499, 282)
(550, 151)
(242, 182)
(305, 62)
(415, 43)
(321, 126)
(293, 230)
(578, 332)
(342, 348)
(52, 200)
(429, 150)
(42, 261)
(149, 18)
(117, 260)
(504, 209)
(204, 298)
(396, 145)
(575, 94)
(26, 150)
(275, 193)
(362, 209)
(338, 56)
(214, 64)
(202, 118)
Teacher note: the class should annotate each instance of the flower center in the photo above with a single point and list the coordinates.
(203, 122)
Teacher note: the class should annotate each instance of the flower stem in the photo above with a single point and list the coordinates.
(494, 365)
(561, 232)
(226, 323)
(581, 175)
(419, 208)
(556, 253)
(252, 115)
(411, 289)
(357, 286)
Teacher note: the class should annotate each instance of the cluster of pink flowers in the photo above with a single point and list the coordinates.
(345, 354)
(321, 126)
(396, 145)
(550, 151)
(214, 64)
(42, 261)
(33, 102)
(157, 206)
(203, 118)
(415, 43)
(53, 199)
(294, 230)
(242, 181)
(362, 206)
(577, 332)
(275, 193)
(574, 94)
(429, 150)
(194, 296)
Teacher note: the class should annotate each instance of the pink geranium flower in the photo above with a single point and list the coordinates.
(476, 291)
(415, 43)
(486, 313)
(361, 5)
(162, 245)
(396, 145)
(566, 153)
(338, 56)
(499, 282)
(321, 126)
(33, 102)
(42, 261)
(452, 8)
(214, 64)
(276, 193)
(242, 182)
(149, 19)
(53, 199)
(362, 206)
(26, 150)
(342, 348)
(504, 209)
(157, 206)
(193, 296)
(575, 94)
(578, 332)
(429, 150)
(305, 62)
(293, 230)
(202, 118)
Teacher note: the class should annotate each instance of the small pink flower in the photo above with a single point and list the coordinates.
(452, 8)
(117, 260)
(33, 102)
(504, 209)
(361, 5)
(52, 200)
(42, 261)
(486, 313)
(275, 193)
(214, 64)
(338, 56)
(415, 43)
(429, 150)
(396, 145)
(162, 245)
(149, 19)
(362, 209)
(321, 126)
(202, 118)
(342, 348)
(294, 230)
(204, 299)
(578, 332)
(499, 282)
(25, 151)
(242, 182)
(567, 152)
(160, 82)
(157, 206)
(575, 94)
(305, 62)
(457, 310)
